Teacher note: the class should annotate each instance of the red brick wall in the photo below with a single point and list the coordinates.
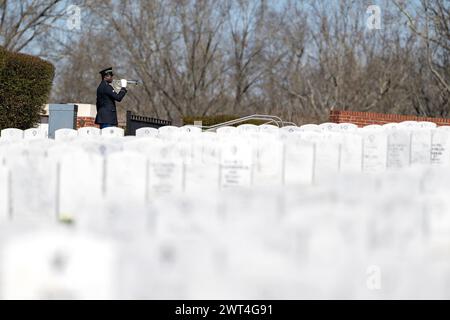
(366, 118)
(86, 122)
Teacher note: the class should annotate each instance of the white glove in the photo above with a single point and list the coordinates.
(124, 83)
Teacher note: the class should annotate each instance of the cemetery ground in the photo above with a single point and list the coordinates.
(328, 211)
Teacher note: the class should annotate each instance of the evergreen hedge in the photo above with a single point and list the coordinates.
(25, 84)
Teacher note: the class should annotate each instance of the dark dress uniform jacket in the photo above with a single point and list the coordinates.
(106, 103)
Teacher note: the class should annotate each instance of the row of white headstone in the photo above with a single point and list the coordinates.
(357, 237)
(53, 177)
(12, 134)
(170, 214)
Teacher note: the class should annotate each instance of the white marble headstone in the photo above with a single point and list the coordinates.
(443, 128)
(440, 147)
(289, 129)
(391, 126)
(166, 171)
(269, 128)
(310, 127)
(437, 220)
(4, 194)
(399, 149)
(329, 126)
(49, 265)
(81, 183)
(100, 145)
(148, 146)
(298, 162)
(393, 224)
(374, 151)
(421, 147)
(11, 134)
(247, 128)
(34, 133)
(126, 178)
(347, 127)
(312, 136)
(43, 144)
(351, 153)
(146, 132)
(89, 132)
(212, 135)
(168, 132)
(182, 149)
(427, 125)
(411, 125)
(44, 127)
(371, 127)
(326, 160)
(235, 164)
(202, 173)
(189, 129)
(33, 187)
(227, 130)
(112, 132)
(65, 134)
(268, 161)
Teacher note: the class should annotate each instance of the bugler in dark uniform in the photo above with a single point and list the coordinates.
(106, 100)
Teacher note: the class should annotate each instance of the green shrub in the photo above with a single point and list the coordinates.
(25, 84)
(213, 120)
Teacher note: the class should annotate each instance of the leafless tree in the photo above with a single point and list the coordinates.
(23, 21)
(432, 25)
(296, 59)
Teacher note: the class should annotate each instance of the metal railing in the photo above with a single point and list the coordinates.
(270, 120)
(135, 122)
